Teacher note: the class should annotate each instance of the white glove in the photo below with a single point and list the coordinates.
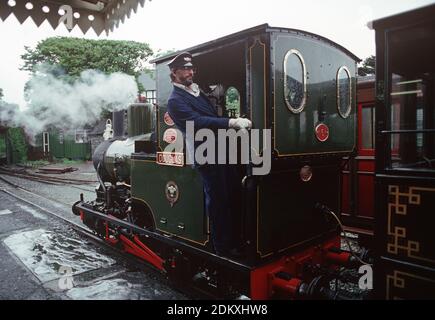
(240, 123)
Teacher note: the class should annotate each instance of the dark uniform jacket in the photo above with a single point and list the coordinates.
(182, 107)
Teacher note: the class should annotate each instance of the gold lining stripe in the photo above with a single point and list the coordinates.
(402, 209)
(158, 127)
(395, 277)
(147, 204)
(304, 79)
(167, 232)
(346, 115)
(264, 79)
(308, 154)
(190, 240)
(274, 108)
(148, 161)
(187, 239)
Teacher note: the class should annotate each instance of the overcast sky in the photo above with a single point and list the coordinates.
(173, 24)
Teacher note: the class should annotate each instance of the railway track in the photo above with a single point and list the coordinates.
(132, 261)
(74, 225)
(53, 181)
(22, 188)
(82, 230)
(43, 178)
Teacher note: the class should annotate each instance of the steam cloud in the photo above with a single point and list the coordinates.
(54, 101)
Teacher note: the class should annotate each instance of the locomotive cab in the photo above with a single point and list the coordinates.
(301, 88)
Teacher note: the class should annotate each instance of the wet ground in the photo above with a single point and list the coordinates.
(44, 258)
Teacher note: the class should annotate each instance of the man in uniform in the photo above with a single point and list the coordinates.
(188, 103)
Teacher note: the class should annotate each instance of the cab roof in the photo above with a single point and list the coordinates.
(241, 35)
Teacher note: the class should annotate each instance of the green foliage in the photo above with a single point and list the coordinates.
(232, 95)
(75, 55)
(368, 66)
(233, 100)
(150, 72)
(2, 145)
(67, 161)
(161, 53)
(233, 105)
(36, 163)
(18, 143)
(71, 56)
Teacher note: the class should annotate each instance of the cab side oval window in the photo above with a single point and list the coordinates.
(294, 81)
(344, 90)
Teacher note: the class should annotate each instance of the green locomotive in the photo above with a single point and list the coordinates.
(299, 86)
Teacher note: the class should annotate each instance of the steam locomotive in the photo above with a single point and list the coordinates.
(150, 203)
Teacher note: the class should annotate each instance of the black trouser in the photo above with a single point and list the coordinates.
(220, 188)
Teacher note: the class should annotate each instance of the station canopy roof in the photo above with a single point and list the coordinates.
(100, 15)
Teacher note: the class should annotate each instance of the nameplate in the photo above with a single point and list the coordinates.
(174, 159)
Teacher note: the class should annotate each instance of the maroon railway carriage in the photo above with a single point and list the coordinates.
(357, 206)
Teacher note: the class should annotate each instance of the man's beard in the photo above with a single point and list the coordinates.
(187, 82)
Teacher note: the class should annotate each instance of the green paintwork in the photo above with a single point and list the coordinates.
(294, 133)
(68, 148)
(285, 216)
(286, 207)
(2, 145)
(140, 119)
(149, 183)
(76, 151)
(258, 89)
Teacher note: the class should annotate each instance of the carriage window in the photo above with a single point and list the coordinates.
(344, 92)
(368, 127)
(232, 102)
(81, 136)
(294, 81)
(61, 136)
(412, 122)
(410, 125)
(151, 96)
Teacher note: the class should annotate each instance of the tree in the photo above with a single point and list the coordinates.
(162, 53)
(74, 55)
(368, 66)
(1, 93)
(17, 139)
(232, 97)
